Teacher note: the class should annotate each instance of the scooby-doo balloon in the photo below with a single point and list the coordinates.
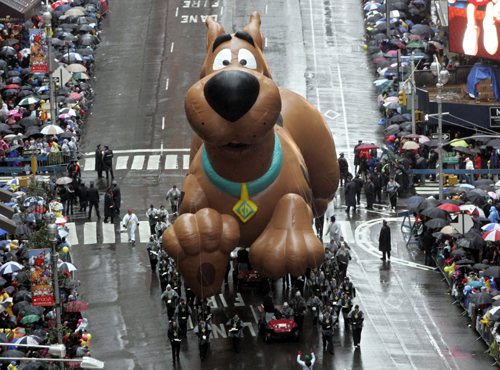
(263, 163)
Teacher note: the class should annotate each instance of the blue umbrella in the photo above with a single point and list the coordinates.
(414, 200)
(475, 284)
(467, 186)
(63, 233)
(4, 242)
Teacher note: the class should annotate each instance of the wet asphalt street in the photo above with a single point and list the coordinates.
(150, 55)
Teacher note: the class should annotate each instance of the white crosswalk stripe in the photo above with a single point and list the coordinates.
(171, 162)
(121, 163)
(138, 162)
(90, 233)
(153, 162)
(108, 233)
(111, 233)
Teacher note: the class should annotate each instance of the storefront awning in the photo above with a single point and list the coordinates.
(18, 11)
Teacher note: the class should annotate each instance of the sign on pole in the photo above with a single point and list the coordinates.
(450, 158)
(38, 46)
(436, 136)
(41, 277)
(61, 76)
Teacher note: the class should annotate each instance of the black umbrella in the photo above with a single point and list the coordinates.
(30, 121)
(452, 201)
(89, 40)
(422, 29)
(464, 262)
(24, 93)
(436, 223)
(465, 269)
(467, 243)
(85, 28)
(458, 253)
(380, 36)
(492, 271)
(480, 266)
(35, 365)
(11, 353)
(481, 298)
(477, 197)
(22, 295)
(13, 73)
(32, 310)
(398, 118)
(495, 143)
(414, 200)
(19, 306)
(14, 80)
(431, 143)
(433, 212)
(430, 202)
(462, 149)
(8, 51)
(66, 135)
(457, 189)
(483, 182)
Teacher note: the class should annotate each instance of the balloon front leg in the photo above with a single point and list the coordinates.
(201, 244)
(288, 244)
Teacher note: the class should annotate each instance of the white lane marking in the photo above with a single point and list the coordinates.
(223, 300)
(311, 12)
(138, 162)
(108, 233)
(363, 240)
(176, 11)
(72, 237)
(254, 315)
(221, 10)
(185, 162)
(172, 48)
(347, 232)
(344, 110)
(238, 300)
(89, 165)
(249, 325)
(212, 302)
(190, 323)
(121, 163)
(126, 151)
(166, 85)
(266, 10)
(171, 162)
(218, 329)
(89, 233)
(124, 236)
(265, 42)
(153, 162)
(144, 231)
(163, 123)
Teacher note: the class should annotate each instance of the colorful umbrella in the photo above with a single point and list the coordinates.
(29, 319)
(493, 235)
(490, 227)
(10, 267)
(75, 306)
(449, 207)
(459, 142)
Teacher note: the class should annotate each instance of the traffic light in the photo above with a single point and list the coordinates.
(402, 97)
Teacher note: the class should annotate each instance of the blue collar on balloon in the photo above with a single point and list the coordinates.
(254, 187)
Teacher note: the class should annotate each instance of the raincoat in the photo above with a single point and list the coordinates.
(493, 215)
(130, 221)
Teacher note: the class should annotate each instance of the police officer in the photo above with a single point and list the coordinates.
(359, 186)
(117, 196)
(327, 323)
(324, 286)
(170, 297)
(286, 312)
(336, 299)
(175, 336)
(174, 196)
(315, 305)
(343, 257)
(205, 312)
(163, 272)
(235, 327)
(153, 248)
(346, 308)
(93, 197)
(182, 313)
(298, 303)
(151, 214)
(357, 318)
(348, 287)
(312, 284)
(203, 331)
(370, 193)
(344, 168)
(176, 283)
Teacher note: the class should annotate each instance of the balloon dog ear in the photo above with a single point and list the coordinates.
(214, 30)
(253, 29)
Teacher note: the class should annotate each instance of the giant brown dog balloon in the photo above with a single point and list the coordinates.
(263, 164)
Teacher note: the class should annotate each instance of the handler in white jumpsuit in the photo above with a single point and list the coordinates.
(130, 222)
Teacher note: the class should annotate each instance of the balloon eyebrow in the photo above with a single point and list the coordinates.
(220, 39)
(245, 36)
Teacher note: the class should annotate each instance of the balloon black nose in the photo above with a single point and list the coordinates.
(232, 93)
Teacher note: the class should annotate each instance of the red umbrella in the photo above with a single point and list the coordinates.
(366, 147)
(12, 86)
(75, 306)
(390, 138)
(39, 210)
(448, 207)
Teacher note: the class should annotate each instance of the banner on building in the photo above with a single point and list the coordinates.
(41, 277)
(38, 47)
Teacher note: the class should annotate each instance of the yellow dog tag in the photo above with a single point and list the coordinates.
(245, 209)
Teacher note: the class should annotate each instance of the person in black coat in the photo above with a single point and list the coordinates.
(83, 196)
(384, 241)
(71, 199)
(357, 159)
(344, 169)
(429, 241)
(107, 161)
(64, 198)
(98, 161)
(109, 204)
(370, 193)
(359, 186)
(117, 196)
(350, 195)
(377, 182)
(93, 197)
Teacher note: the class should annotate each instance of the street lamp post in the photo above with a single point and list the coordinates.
(52, 235)
(47, 19)
(443, 76)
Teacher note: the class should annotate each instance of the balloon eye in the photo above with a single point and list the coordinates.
(225, 62)
(243, 62)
